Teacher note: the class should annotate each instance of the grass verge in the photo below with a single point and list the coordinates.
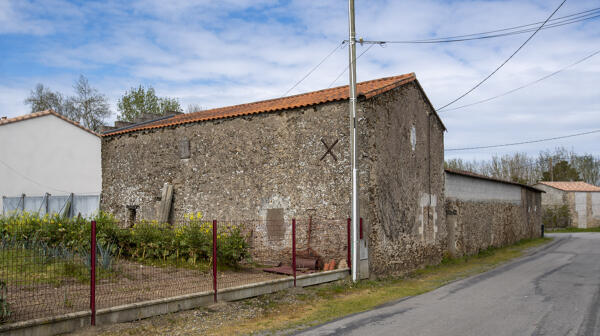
(572, 230)
(292, 310)
(344, 298)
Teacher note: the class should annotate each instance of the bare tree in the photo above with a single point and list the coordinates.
(42, 98)
(88, 107)
(193, 108)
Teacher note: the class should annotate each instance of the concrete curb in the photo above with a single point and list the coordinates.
(130, 312)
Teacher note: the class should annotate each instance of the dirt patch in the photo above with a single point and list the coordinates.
(131, 283)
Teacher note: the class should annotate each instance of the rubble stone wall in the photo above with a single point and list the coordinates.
(492, 220)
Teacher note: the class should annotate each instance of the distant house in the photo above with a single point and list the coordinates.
(582, 200)
(49, 163)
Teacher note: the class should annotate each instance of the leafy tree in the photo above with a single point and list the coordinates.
(87, 107)
(42, 98)
(562, 171)
(139, 101)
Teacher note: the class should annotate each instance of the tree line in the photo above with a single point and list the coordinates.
(90, 108)
(560, 164)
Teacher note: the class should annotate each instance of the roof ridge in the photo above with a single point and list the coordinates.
(399, 77)
(367, 88)
(45, 113)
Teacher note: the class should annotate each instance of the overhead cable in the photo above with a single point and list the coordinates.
(562, 21)
(314, 68)
(522, 142)
(523, 86)
(503, 63)
(346, 68)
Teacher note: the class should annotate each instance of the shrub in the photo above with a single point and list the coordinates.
(146, 240)
(556, 216)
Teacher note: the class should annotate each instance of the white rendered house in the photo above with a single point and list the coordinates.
(47, 160)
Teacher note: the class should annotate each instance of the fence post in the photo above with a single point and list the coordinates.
(93, 274)
(542, 230)
(349, 257)
(214, 259)
(294, 249)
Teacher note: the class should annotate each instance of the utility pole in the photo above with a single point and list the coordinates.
(353, 145)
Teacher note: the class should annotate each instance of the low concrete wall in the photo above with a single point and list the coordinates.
(131, 312)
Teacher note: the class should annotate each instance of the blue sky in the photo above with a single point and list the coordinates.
(218, 53)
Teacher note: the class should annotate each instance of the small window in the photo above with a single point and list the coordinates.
(184, 149)
(275, 224)
(413, 137)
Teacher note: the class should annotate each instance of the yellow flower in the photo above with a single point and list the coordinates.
(199, 214)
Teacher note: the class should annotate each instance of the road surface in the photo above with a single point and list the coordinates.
(554, 291)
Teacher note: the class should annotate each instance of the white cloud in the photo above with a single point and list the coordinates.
(217, 53)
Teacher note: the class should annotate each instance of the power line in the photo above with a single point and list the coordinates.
(346, 68)
(522, 142)
(573, 18)
(506, 61)
(524, 86)
(315, 68)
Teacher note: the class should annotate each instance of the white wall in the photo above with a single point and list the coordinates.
(48, 154)
(596, 206)
(552, 196)
(581, 209)
(475, 189)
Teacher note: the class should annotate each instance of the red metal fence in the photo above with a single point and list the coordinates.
(44, 274)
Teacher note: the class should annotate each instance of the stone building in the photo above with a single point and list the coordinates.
(286, 158)
(483, 212)
(582, 199)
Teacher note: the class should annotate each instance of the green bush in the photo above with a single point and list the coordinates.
(557, 217)
(189, 241)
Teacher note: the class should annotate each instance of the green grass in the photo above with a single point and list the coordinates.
(29, 266)
(572, 229)
(24, 266)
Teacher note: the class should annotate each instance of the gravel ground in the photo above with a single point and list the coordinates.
(202, 321)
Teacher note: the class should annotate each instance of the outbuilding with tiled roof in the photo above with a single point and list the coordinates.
(580, 199)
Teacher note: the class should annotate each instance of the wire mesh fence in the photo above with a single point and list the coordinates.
(47, 268)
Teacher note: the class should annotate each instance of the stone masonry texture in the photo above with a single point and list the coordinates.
(263, 170)
(240, 168)
(478, 225)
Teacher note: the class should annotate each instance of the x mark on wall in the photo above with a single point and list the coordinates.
(329, 149)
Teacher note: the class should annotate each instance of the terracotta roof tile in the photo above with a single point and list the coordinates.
(571, 186)
(45, 113)
(367, 89)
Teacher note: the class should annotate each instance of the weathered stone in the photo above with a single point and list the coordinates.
(242, 167)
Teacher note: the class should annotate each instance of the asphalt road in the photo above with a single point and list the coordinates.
(554, 291)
